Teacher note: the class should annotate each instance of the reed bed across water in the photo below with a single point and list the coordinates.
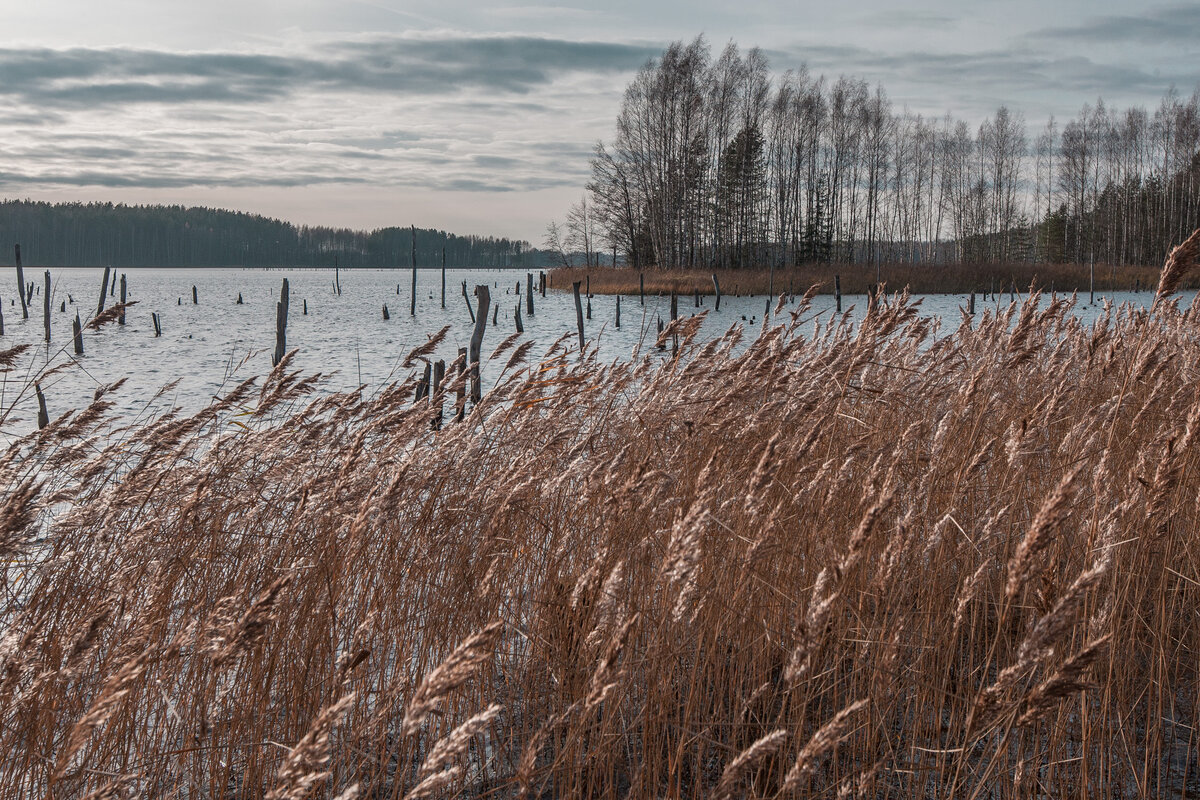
(864, 561)
(856, 278)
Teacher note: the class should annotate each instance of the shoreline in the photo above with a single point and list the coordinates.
(857, 279)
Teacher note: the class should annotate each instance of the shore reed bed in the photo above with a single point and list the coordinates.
(917, 278)
(837, 561)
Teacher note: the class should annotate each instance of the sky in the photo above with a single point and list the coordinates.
(480, 117)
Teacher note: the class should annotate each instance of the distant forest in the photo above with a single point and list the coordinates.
(104, 234)
(719, 162)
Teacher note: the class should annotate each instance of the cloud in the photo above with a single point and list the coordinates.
(1175, 24)
(85, 78)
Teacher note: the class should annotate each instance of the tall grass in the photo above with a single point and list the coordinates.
(855, 278)
(836, 561)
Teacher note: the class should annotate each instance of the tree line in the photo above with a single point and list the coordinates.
(104, 234)
(721, 163)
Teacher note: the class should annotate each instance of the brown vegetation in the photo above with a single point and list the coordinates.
(865, 561)
(917, 278)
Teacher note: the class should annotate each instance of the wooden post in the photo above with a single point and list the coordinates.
(837, 291)
(1092, 282)
(239, 300)
(337, 278)
(104, 291)
(529, 293)
(460, 401)
(467, 300)
(306, 306)
(696, 293)
(578, 313)
(542, 281)
(517, 317)
(412, 308)
(717, 288)
(642, 287)
(385, 312)
(588, 291)
(971, 304)
(77, 332)
(157, 326)
(281, 314)
(439, 373)
(618, 311)
(1, 316)
(21, 284)
(43, 417)
(422, 392)
(195, 300)
(121, 319)
(495, 314)
(483, 299)
(46, 308)
(674, 306)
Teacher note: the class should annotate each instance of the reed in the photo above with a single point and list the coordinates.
(868, 560)
(856, 278)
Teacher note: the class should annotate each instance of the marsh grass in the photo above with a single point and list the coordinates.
(842, 560)
(917, 278)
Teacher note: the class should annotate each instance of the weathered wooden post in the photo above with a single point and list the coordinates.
(495, 314)
(337, 278)
(412, 308)
(439, 374)
(467, 300)
(484, 299)
(239, 300)
(460, 400)
(195, 299)
(717, 289)
(21, 284)
(77, 332)
(423, 384)
(971, 304)
(281, 314)
(306, 306)
(578, 313)
(46, 308)
(385, 312)
(517, 317)
(43, 417)
(674, 306)
(103, 291)
(618, 311)
(837, 291)
(696, 293)
(529, 293)
(157, 326)
(124, 296)
(1, 316)
(542, 281)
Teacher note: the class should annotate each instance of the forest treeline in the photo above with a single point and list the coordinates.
(722, 163)
(104, 234)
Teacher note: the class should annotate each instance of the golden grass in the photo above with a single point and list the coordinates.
(917, 278)
(838, 560)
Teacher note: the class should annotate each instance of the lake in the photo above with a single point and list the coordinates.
(209, 345)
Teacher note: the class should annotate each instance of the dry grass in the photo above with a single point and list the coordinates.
(835, 562)
(918, 278)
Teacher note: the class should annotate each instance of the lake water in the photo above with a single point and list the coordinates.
(344, 335)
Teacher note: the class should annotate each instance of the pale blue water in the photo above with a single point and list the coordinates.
(344, 335)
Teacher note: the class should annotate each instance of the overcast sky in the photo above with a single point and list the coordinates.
(480, 117)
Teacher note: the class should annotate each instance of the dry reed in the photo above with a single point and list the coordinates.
(854, 560)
